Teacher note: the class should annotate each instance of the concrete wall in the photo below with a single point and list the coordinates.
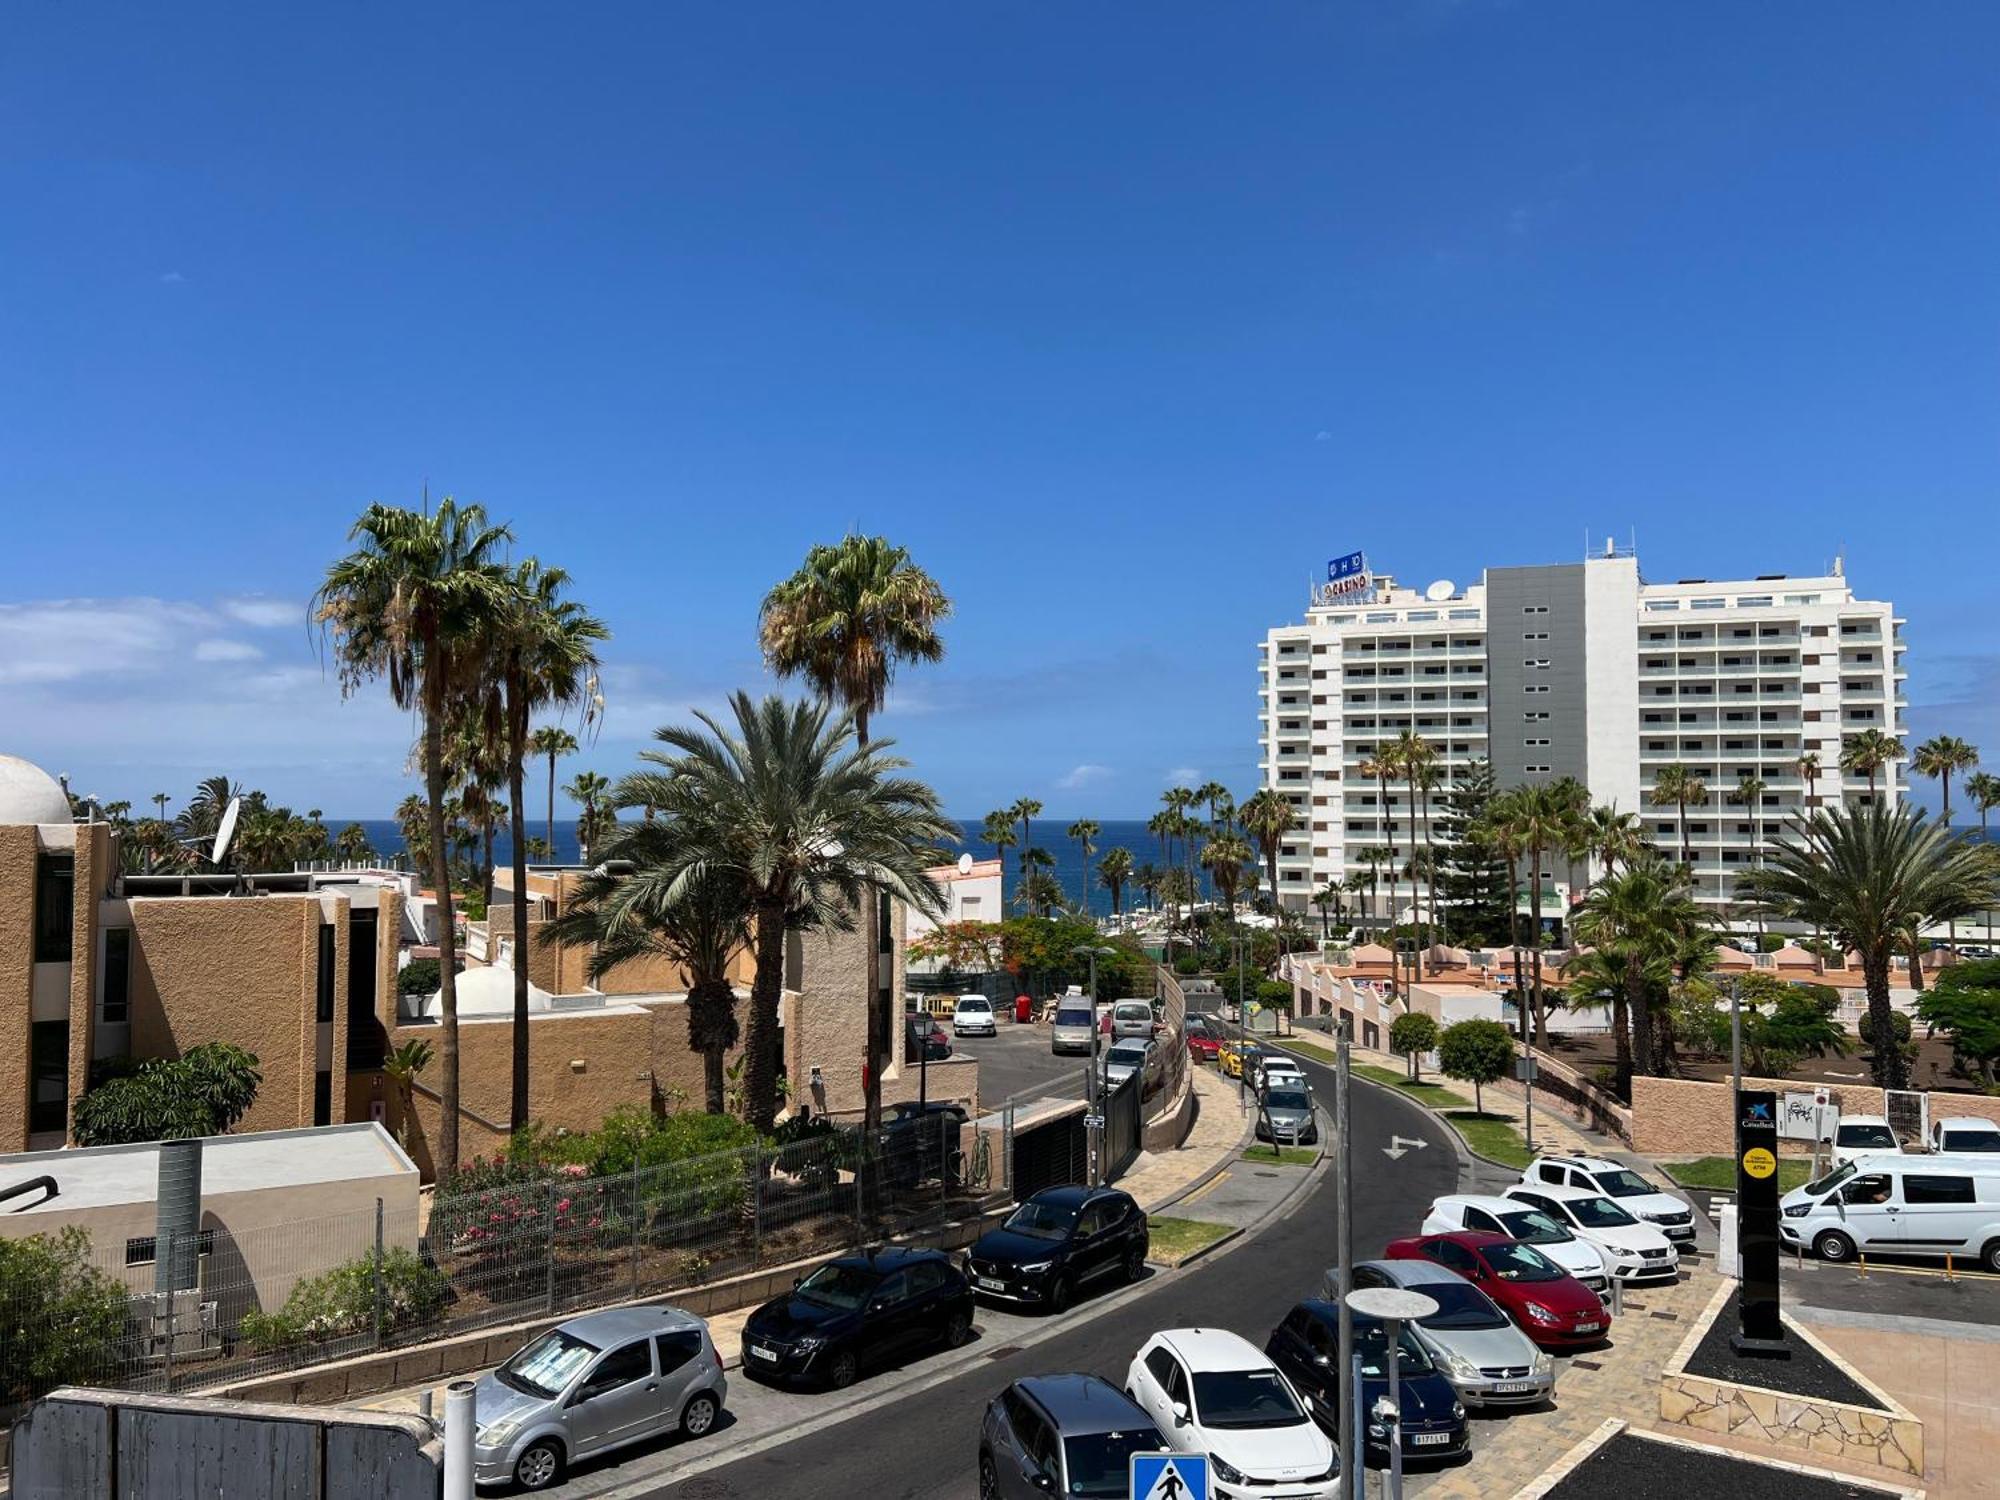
(79, 1444)
(1509, 593)
(1679, 1117)
(17, 979)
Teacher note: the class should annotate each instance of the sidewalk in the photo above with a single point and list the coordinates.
(1944, 1377)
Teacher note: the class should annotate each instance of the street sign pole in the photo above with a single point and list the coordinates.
(1344, 1271)
(1524, 1069)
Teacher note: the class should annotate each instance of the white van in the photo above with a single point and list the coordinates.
(1929, 1206)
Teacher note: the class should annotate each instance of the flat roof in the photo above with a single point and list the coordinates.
(109, 1176)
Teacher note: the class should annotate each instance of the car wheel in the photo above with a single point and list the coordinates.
(1832, 1245)
(699, 1415)
(1059, 1295)
(1135, 1264)
(957, 1329)
(1990, 1256)
(989, 1479)
(842, 1369)
(540, 1465)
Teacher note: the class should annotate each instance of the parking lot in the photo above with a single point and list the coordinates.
(1016, 1064)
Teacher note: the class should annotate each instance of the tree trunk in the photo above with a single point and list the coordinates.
(871, 1098)
(552, 805)
(1535, 935)
(444, 1155)
(1416, 899)
(1639, 1050)
(760, 1068)
(1514, 936)
(1889, 1070)
(517, 733)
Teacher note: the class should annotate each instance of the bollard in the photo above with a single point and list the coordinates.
(1947, 1267)
(1861, 1262)
(459, 1428)
(425, 1403)
(1617, 1298)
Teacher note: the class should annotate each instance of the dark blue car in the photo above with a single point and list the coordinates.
(857, 1311)
(1306, 1346)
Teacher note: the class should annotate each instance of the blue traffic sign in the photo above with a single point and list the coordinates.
(1170, 1476)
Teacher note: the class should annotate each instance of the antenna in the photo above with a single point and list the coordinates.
(225, 830)
(965, 863)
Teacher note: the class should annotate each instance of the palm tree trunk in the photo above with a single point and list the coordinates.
(1514, 934)
(517, 727)
(1638, 1047)
(552, 805)
(1416, 873)
(1889, 1072)
(1535, 935)
(1621, 1019)
(444, 1156)
(760, 1068)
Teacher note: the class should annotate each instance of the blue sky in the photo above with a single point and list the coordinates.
(1122, 318)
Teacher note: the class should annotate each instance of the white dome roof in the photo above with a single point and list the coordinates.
(28, 794)
(487, 991)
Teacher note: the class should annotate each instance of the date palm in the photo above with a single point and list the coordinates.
(1637, 919)
(1113, 873)
(1024, 812)
(1866, 752)
(1147, 878)
(411, 604)
(1032, 894)
(1615, 837)
(1939, 757)
(1224, 858)
(1085, 831)
(1808, 768)
(1325, 900)
(1374, 856)
(1537, 819)
(1267, 815)
(1180, 801)
(1676, 786)
(1379, 768)
(1221, 806)
(1748, 794)
(785, 801)
(551, 741)
(1866, 876)
(998, 831)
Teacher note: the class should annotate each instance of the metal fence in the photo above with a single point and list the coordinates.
(504, 1246)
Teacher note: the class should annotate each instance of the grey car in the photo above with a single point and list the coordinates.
(1475, 1345)
(1123, 1059)
(1061, 1435)
(1287, 1117)
(1132, 1018)
(1073, 1025)
(591, 1385)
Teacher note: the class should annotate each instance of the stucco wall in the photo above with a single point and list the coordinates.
(1676, 1116)
(17, 979)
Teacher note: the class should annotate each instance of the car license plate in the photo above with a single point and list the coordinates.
(769, 1354)
(1429, 1439)
(1513, 1387)
(992, 1283)
(1589, 1327)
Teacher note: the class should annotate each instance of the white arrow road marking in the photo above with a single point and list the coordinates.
(1400, 1146)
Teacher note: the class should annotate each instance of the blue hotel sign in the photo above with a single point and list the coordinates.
(1354, 565)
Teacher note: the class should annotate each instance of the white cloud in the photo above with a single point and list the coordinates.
(64, 640)
(1322, 436)
(171, 278)
(1082, 776)
(1183, 776)
(264, 613)
(226, 650)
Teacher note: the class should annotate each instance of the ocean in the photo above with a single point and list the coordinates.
(1049, 835)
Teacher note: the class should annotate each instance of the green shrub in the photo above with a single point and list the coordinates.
(64, 1318)
(204, 1091)
(420, 976)
(342, 1301)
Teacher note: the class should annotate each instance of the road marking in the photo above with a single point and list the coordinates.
(1400, 1146)
(1205, 1189)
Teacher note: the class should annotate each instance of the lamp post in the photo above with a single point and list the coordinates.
(1094, 1086)
(1394, 1307)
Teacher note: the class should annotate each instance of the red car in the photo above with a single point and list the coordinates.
(1553, 1308)
(1203, 1042)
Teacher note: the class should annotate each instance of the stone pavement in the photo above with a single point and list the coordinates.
(1946, 1379)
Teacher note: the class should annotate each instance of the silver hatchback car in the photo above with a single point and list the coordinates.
(591, 1385)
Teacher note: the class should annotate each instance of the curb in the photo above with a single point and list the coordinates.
(1228, 1159)
(1236, 1232)
(1465, 1151)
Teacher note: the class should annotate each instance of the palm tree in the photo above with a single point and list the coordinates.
(1113, 871)
(702, 926)
(1084, 831)
(545, 658)
(1984, 789)
(593, 793)
(1537, 820)
(1033, 892)
(1179, 800)
(1866, 876)
(1808, 769)
(351, 845)
(788, 803)
(1221, 806)
(1574, 796)
(413, 822)
(400, 1066)
(1024, 811)
(1749, 795)
(202, 816)
(1147, 878)
(1676, 786)
(848, 617)
(1499, 832)
(1636, 918)
(998, 831)
(1267, 816)
(1354, 885)
(1614, 837)
(1379, 768)
(160, 801)
(1373, 856)
(412, 603)
(1414, 756)
(1866, 752)
(551, 741)
(1938, 757)
(1224, 858)
(1326, 898)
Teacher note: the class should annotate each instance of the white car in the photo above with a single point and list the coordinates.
(1965, 1135)
(1856, 1136)
(1530, 1226)
(1211, 1391)
(1277, 1071)
(1633, 1252)
(973, 1016)
(1641, 1199)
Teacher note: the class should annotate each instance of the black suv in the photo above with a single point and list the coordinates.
(1058, 1242)
(1061, 1435)
(855, 1311)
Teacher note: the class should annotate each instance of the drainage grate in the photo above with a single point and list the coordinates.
(1004, 1350)
(1665, 1317)
(1585, 1364)
(1267, 1174)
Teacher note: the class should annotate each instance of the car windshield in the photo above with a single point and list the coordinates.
(1519, 1263)
(1624, 1184)
(1100, 1463)
(1599, 1213)
(1068, 1017)
(838, 1286)
(1126, 1057)
(547, 1366)
(1832, 1179)
(1533, 1227)
(1287, 1099)
(1045, 1221)
(1460, 1305)
(1866, 1135)
(1972, 1140)
(1371, 1342)
(972, 1006)
(1245, 1398)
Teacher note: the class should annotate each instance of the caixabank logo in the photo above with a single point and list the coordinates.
(1757, 1115)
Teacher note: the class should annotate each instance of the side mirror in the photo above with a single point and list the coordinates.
(797, 1282)
(1042, 1482)
(1181, 1414)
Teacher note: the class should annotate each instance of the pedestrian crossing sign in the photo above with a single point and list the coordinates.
(1170, 1476)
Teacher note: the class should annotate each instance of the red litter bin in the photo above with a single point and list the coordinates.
(1023, 1009)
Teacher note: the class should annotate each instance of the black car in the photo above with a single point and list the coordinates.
(1058, 1242)
(924, 1040)
(857, 1311)
(1306, 1346)
(1061, 1435)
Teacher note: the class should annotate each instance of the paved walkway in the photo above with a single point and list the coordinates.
(1945, 1377)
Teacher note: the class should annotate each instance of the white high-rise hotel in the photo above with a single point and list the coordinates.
(1584, 670)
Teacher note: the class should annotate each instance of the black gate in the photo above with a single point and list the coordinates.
(1051, 1154)
(1123, 1132)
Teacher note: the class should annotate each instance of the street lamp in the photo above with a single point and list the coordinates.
(1394, 1307)
(1094, 1084)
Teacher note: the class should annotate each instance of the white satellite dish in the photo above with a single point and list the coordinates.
(225, 830)
(1440, 591)
(965, 864)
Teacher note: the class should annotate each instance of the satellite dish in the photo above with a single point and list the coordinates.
(225, 830)
(965, 863)
(1440, 591)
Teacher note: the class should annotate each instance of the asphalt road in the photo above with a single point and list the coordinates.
(1015, 1063)
(923, 1445)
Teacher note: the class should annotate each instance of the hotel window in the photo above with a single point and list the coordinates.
(323, 996)
(1534, 715)
(1753, 601)
(1534, 609)
(55, 907)
(1709, 604)
(1534, 635)
(1535, 744)
(1802, 598)
(1662, 606)
(1540, 688)
(1462, 614)
(1536, 770)
(48, 1076)
(117, 1007)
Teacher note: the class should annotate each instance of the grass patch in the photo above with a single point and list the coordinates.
(1492, 1136)
(1431, 1094)
(1174, 1240)
(1312, 1049)
(1291, 1156)
(1718, 1173)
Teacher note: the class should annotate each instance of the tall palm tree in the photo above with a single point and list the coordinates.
(1538, 818)
(1984, 789)
(1374, 856)
(1325, 899)
(160, 801)
(1866, 876)
(1267, 815)
(1676, 786)
(551, 741)
(702, 926)
(851, 614)
(1180, 801)
(1113, 871)
(1938, 757)
(1024, 811)
(202, 816)
(1749, 795)
(1221, 806)
(1808, 769)
(1636, 918)
(1354, 885)
(1866, 752)
(1378, 768)
(1032, 894)
(1615, 837)
(413, 822)
(1147, 878)
(1085, 831)
(1499, 832)
(786, 802)
(592, 793)
(1162, 826)
(1575, 797)
(998, 831)
(545, 658)
(1224, 858)
(412, 603)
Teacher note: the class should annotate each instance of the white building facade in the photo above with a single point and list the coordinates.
(1583, 670)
